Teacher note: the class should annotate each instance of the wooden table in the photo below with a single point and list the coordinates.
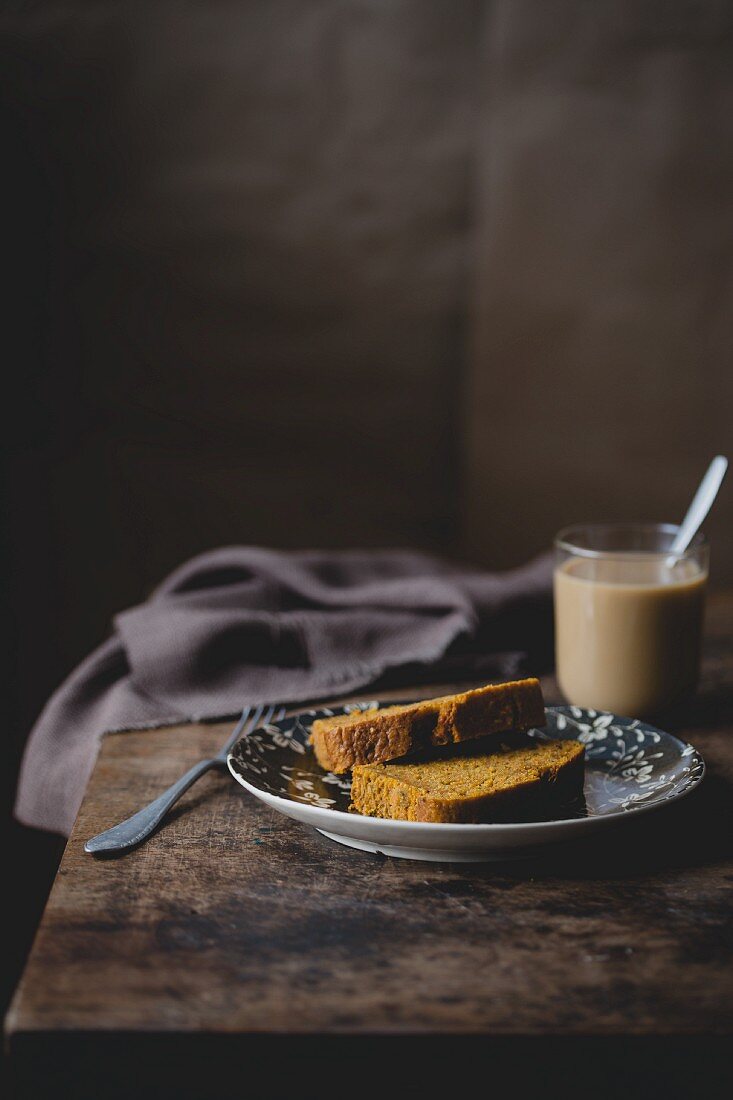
(239, 953)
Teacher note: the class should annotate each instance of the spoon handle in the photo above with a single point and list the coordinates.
(701, 505)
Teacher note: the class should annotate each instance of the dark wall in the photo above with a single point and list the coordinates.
(349, 272)
(601, 383)
(240, 251)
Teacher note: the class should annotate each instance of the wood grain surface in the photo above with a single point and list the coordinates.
(235, 923)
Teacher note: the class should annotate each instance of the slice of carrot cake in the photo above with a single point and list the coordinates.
(473, 785)
(374, 736)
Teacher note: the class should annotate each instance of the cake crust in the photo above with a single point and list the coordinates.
(376, 736)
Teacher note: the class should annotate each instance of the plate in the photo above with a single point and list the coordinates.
(631, 768)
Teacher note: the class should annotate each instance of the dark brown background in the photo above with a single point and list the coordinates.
(336, 272)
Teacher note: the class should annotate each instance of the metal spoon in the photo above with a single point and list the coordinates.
(701, 504)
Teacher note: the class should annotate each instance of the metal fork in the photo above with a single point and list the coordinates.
(139, 827)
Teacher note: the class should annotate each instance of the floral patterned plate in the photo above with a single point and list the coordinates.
(631, 768)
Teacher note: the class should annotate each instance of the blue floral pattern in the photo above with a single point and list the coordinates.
(628, 762)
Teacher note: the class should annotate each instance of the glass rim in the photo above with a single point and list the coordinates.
(562, 540)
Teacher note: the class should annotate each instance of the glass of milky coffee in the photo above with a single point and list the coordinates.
(628, 617)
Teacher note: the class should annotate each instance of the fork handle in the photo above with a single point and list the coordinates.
(136, 828)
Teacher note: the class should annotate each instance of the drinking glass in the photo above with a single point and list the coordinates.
(628, 616)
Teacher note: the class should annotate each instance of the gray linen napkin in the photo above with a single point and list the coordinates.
(245, 625)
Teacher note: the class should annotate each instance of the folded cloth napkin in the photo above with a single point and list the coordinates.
(244, 625)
